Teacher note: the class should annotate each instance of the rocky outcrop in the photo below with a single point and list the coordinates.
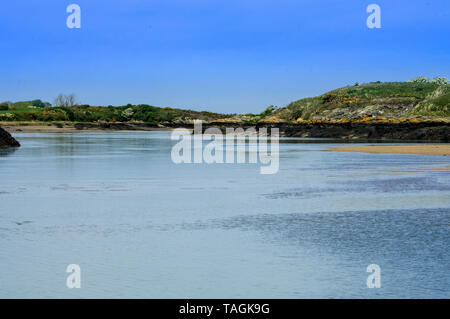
(426, 131)
(6, 140)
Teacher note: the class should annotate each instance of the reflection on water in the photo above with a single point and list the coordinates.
(140, 226)
(7, 151)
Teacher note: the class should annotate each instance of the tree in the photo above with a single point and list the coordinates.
(65, 100)
(4, 106)
(38, 103)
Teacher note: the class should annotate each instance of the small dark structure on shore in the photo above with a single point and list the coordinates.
(6, 140)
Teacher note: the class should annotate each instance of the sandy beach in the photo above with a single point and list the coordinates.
(52, 127)
(417, 149)
(33, 128)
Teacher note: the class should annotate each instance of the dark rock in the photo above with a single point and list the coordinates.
(6, 140)
(422, 131)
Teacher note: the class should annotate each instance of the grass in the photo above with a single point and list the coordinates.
(388, 89)
(393, 99)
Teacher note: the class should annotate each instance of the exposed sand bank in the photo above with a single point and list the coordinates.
(417, 149)
(418, 170)
(36, 127)
(40, 129)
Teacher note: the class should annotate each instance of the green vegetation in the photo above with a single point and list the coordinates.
(420, 97)
(255, 118)
(436, 80)
(389, 100)
(436, 104)
(39, 111)
(4, 106)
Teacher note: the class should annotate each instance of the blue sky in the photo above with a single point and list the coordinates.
(224, 56)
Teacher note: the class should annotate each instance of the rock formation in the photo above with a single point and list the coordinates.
(6, 140)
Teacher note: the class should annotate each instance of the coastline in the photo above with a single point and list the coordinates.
(426, 131)
(56, 127)
(421, 149)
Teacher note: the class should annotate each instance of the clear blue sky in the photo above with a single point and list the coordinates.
(228, 56)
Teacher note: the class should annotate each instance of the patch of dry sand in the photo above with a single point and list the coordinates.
(417, 149)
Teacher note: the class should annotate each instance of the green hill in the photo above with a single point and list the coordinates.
(372, 100)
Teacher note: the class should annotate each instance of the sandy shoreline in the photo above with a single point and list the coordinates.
(44, 129)
(33, 127)
(416, 149)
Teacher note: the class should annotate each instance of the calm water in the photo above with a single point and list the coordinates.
(140, 226)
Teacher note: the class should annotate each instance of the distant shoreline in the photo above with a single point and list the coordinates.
(426, 131)
(422, 149)
(56, 127)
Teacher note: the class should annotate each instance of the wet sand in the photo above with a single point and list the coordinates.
(418, 170)
(417, 149)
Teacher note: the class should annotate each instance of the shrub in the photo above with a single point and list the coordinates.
(421, 79)
(37, 103)
(268, 111)
(128, 113)
(440, 80)
(69, 113)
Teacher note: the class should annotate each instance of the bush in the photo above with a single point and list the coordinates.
(127, 114)
(421, 79)
(268, 111)
(4, 106)
(37, 103)
(440, 80)
(68, 113)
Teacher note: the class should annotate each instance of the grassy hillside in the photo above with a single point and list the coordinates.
(373, 100)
